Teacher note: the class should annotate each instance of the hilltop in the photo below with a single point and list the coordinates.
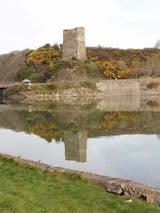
(46, 65)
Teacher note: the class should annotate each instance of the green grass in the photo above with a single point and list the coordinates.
(27, 189)
(43, 88)
(88, 84)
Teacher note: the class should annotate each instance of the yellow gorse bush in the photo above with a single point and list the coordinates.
(113, 119)
(47, 131)
(112, 70)
(44, 55)
(126, 73)
(145, 62)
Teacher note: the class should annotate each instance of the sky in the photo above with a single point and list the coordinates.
(108, 23)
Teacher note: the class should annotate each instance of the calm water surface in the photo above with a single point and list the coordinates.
(114, 143)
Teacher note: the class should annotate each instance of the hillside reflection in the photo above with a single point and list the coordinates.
(74, 124)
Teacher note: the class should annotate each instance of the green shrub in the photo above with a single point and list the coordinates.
(48, 74)
(153, 85)
(51, 86)
(91, 67)
(15, 89)
(37, 78)
(153, 103)
(88, 84)
(25, 72)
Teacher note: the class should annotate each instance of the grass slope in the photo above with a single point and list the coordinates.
(27, 189)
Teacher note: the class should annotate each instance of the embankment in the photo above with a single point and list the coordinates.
(86, 90)
(113, 185)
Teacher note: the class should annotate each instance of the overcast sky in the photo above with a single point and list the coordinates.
(109, 23)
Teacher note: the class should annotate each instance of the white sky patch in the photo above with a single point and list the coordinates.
(109, 23)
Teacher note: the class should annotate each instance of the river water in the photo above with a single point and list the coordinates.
(118, 140)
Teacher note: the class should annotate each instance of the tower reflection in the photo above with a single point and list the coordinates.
(76, 145)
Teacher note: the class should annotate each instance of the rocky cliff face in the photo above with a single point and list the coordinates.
(10, 63)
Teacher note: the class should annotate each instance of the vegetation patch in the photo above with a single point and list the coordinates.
(91, 67)
(153, 85)
(113, 119)
(28, 189)
(25, 72)
(47, 131)
(44, 88)
(114, 71)
(144, 62)
(88, 84)
(153, 103)
(40, 64)
(46, 64)
(16, 89)
(44, 55)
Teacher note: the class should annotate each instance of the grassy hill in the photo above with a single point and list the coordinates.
(46, 64)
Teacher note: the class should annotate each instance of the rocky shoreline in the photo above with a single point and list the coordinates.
(117, 186)
(84, 91)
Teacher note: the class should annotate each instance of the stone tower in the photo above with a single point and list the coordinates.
(74, 44)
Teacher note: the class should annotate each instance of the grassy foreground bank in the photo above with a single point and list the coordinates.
(27, 189)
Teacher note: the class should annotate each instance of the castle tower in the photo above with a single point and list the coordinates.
(74, 44)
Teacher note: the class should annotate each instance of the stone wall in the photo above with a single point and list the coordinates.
(74, 44)
(119, 87)
(116, 103)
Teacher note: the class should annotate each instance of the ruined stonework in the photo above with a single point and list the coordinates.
(74, 44)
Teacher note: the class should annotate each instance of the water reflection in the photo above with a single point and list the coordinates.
(75, 145)
(1, 96)
(158, 136)
(90, 137)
